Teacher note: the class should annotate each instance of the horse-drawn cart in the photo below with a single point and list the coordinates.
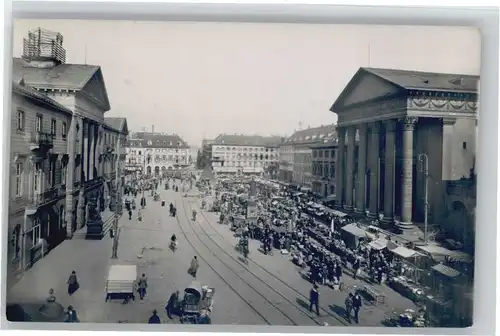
(197, 304)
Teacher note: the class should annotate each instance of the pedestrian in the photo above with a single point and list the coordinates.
(73, 284)
(348, 306)
(356, 267)
(129, 214)
(142, 285)
(172, 304)
(193, 268)
(154, 319)
(356, 306)
(71, 316)
(314, 299)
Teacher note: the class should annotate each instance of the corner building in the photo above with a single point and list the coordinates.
(408, 123)
(60, 147)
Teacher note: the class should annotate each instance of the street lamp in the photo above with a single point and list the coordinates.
(425, 161)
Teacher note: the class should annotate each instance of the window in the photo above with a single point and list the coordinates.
(140, 153)
(19, 179)
(63, 174)
(52, 173)
(36, 177)
(53, 125)
(36, 231)
(39, 123)
(20, 120)
(64, 130)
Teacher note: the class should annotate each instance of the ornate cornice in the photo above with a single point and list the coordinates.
(459, 104)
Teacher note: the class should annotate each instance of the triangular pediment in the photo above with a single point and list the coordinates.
(124, 129)
(96, 88)
(365, 87)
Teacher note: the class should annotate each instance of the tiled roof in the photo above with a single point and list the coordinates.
(156, 140)
(19, 86)
(119, 124)
(134, 143)
(312, 135)
(326, 143)
(248, 140)
(430, 81)
(62, 76)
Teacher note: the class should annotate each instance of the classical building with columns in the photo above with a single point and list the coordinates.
(416, 135)
(90, 141)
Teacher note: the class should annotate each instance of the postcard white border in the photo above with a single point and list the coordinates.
(487, 157)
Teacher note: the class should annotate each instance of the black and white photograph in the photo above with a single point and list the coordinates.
(233, 173)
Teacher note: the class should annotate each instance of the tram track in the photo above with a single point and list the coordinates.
(267, 307)
(267, 272)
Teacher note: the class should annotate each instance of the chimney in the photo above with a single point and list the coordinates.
(153, 129)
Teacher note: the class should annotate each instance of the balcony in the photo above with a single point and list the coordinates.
(41, 140)
(39, 200)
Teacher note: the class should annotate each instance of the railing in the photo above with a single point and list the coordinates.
(44, 197)
(42, 139)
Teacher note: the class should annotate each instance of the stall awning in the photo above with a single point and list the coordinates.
(403, 252)
(446, 270)
(355, 230)
(378, 244)
(458, 256)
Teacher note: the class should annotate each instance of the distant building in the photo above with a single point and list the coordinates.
(163, 152)
(244, 154)
(135, 161)
(295, 162)
(323, 167)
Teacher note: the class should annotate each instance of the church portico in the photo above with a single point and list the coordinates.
(403, 120)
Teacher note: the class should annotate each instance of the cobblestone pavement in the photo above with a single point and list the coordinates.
(278, 270)
(143, 243)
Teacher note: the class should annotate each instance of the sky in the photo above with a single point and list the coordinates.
(202, 79)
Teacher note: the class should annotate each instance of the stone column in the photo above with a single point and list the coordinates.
(85, 153)
(351, 138)
(92, 137)
(390, 153)
(408, 124)
(339, 175)
(374, 168)
(70, 174)
(361, 182)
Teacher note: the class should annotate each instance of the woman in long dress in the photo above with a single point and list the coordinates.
(193, 268)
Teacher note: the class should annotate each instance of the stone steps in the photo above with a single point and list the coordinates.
(106, 227)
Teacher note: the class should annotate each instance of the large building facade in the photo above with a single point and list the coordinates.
(244, 154)
(324, 156)
(61, 148)
(135, 162)
(295, 163)
(416, 139)
(163, 152)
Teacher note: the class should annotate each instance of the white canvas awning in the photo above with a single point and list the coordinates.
(378, 244)
(403, 252)
(355, 230)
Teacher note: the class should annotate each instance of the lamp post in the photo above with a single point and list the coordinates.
(425, 161)
(118, 204)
